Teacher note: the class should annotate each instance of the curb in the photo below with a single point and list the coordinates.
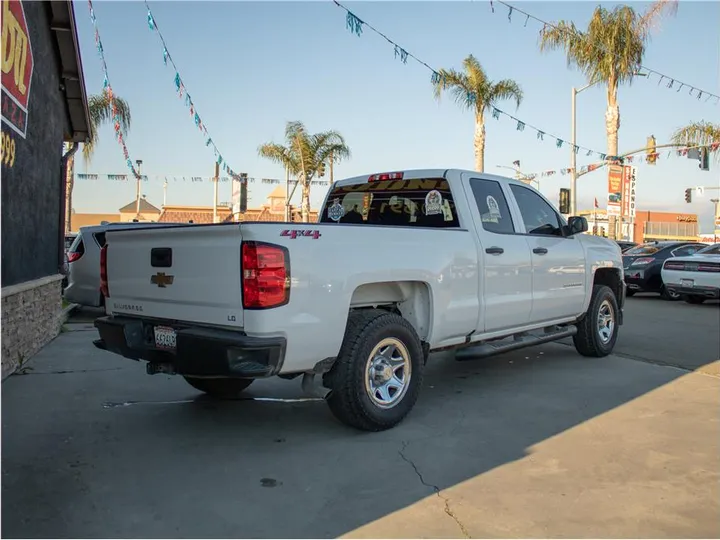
(65, 313)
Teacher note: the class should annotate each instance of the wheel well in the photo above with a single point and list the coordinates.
(611, 278)
(409, 299)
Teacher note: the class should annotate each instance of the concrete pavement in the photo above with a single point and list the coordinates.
(536, 443)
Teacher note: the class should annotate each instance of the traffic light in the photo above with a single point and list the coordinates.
(243, 192)
(321, 170)
(564, 201)
(688, 195)
(651, 155)
(704, 159)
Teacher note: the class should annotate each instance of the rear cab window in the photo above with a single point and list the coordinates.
(421, 202)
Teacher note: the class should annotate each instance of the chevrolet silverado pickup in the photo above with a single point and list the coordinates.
(400, 264)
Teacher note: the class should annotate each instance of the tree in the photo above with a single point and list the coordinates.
(473, 90)
(100, 107)
(305, 155)
(699, 134)
(610, 50)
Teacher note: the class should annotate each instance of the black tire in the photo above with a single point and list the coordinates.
(349, 399)
(588, 341)
(629, 293)
(665, 295)
(694, 299)
(221, 388)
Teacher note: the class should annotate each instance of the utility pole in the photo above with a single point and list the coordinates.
(573, 155)
(215, 194)
(716, 219)
(287, 194)
(332, 162)
(165, 193)
(139, 163)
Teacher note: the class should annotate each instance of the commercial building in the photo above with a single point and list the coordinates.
(648, 225)
(44, 104)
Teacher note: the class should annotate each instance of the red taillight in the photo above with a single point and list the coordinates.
(74, 256)
(674, 265)
(708, 268)
(265, 275)
(104, 290)
(385, 176)
(643, 261)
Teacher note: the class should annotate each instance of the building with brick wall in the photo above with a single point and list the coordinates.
(648, 226)
(44, 105)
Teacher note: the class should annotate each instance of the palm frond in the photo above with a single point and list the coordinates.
(697, 133)
(506, 89)
(100, 107)
(650, 20)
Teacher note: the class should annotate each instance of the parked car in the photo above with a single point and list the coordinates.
(400, 264)
(83, 256)
(625, 245)
(643, 265)
(695, 277)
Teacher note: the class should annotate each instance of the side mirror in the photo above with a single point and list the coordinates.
(576, 225)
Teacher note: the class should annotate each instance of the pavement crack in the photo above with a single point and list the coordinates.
(62, 372)
(435, 488)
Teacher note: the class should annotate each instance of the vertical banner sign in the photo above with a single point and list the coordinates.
(631, 200)
(614, 197)
(625, 200)
(17, 66)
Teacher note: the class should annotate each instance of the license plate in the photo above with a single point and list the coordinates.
(165, 337)
(687, 282)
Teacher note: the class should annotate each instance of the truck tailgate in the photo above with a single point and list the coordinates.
(177, 273)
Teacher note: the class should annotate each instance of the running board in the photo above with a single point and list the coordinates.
(519, 341)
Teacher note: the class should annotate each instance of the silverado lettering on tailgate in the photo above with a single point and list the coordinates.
(293, 234)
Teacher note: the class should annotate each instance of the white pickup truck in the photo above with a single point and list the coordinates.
(400, 264)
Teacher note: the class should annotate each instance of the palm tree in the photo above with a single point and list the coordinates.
(306, 155)
(610, 50)
(101, 111)
(473, 90)
(699, 134)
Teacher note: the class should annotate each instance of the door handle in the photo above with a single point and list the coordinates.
(540, 251)
(495, 250)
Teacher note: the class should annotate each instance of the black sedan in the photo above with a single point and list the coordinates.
(643, 264)
(625, 245)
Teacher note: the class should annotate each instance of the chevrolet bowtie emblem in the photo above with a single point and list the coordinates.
(161, 280)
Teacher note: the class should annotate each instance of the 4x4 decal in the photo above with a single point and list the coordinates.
(293, 234)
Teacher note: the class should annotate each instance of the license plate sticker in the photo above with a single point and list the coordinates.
(687, 282)
(165, 338)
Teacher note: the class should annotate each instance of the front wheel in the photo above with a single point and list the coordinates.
(221, 388)
(694, 299)
(377, 376)
(598, 330)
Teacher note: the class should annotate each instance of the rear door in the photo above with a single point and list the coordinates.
(506, 271)
(186, 273)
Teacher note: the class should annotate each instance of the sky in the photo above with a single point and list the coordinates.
(250, 67)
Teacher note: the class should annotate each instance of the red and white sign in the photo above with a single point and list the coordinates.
(17, 66)
(615, 191)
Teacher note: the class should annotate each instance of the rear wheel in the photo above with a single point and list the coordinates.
(667, 294)
(222, 388)
(694, 299)
(598, 330)
(377, 376)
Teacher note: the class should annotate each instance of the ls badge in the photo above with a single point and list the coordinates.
(162, 280)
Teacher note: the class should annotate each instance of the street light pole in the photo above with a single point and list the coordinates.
(573, 155)
(139, 163)
(716, 225)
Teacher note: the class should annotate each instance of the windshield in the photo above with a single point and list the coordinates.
(645, 249)
(425, 202)
(710, 250)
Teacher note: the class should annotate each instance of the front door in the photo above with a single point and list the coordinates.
(558, 261)
(505, 266)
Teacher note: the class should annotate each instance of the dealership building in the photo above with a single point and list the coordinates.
(647, 226)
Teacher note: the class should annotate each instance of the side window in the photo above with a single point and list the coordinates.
(539, 217)
(492, 205)
(100, 238)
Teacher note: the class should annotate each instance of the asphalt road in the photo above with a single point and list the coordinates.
(534, 443)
